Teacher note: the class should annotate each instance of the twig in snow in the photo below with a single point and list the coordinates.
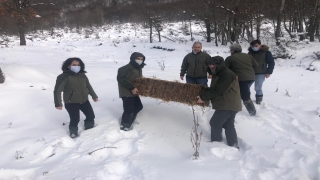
(195, 137)
(100, 149)
(274, 144)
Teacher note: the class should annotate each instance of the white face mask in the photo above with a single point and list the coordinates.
(75, 69)
(139, 61)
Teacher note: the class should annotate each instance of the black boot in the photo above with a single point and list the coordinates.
(126, 126)
(250, 107)
(88, 125)
(73, 132)
(259, 99)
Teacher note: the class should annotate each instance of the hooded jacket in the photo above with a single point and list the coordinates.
(224, 90)
(75, 87)
(128, 73)
(264, 58)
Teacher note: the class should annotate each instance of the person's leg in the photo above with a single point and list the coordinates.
(216, 122)
(258, 87)
(127, 116)
(191, 80)
(244, 90)
(137, 105)
(87, 110)
(74, 113)
(230, 130)
(202, 81)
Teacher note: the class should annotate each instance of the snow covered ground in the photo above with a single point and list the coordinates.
(282, 142)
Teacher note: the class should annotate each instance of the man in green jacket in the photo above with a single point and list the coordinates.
(242, 65)
(195, 65)
(2, 78)
(265, 59)
(128, 93)
(224, 94)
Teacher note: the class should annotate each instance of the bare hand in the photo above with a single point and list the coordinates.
(59, 107)
(95, 100)
(268, 75)
(210, 77)
(199, 100)
(135, 91)
(181, 77)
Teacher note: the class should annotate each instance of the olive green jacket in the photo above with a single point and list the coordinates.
(75, 87)
(2, 78)
(224, 90)
(127, 74)
(242, 64)
(195, 65)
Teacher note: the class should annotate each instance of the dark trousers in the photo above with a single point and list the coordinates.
(74, 112)
(131, 106)
(195, 80)
(224, 119)
(245, 89)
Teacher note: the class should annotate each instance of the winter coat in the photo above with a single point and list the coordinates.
(195, 65)
(224, 90)
(265, 60)
(75, 87)
(242, 64)
(127, 74)
(2, 78)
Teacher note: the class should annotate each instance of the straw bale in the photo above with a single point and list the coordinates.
(169, 91)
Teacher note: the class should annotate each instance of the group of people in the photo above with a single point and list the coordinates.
(231, 80)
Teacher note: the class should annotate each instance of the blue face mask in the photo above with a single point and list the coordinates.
(75, 69)
(255, 48)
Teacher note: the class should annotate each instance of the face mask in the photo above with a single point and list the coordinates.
(75, 69)
(255, 48)
(139, 61)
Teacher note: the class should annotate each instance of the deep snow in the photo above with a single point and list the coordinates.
(282, 142)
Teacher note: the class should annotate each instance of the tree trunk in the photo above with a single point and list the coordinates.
(190, 30)
(159, 35)
(150, 24)
(208, 29)
(21, 32)
(278, 28)
(215, 33)
(258, 27)
(313, 21)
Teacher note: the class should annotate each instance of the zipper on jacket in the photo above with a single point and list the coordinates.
(70, 96)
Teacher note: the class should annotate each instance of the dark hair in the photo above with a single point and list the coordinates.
(67, 63)
(255, 42)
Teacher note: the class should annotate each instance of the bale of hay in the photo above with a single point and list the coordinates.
(170, 91)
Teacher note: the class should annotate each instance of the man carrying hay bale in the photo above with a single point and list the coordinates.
(195, 64)
(242, 64)
(129, 94)
(224, 94)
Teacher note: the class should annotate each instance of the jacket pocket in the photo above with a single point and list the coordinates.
(70, 96)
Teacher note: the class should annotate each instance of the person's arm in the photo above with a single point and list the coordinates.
(91, 91)
(228, 62)
(122, 79)
(270, 62)
(222, 85)
(184, 66)
(59, 87)
(207, 62)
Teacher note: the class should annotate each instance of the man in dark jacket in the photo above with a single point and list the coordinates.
(2, 78)
(195, 65)
(224, 94)
(242, 64)
(264, 57)
(131, 101)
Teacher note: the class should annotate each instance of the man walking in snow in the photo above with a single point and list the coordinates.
(242, 65)
(264, 57)
(128, 93)
(1, 77)
(195, 65)
(224, 94)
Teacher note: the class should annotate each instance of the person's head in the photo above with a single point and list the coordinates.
(256, 45)
(74, 64)
(137, 58)
(215, 63)
(235, 48)
(197, 47)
